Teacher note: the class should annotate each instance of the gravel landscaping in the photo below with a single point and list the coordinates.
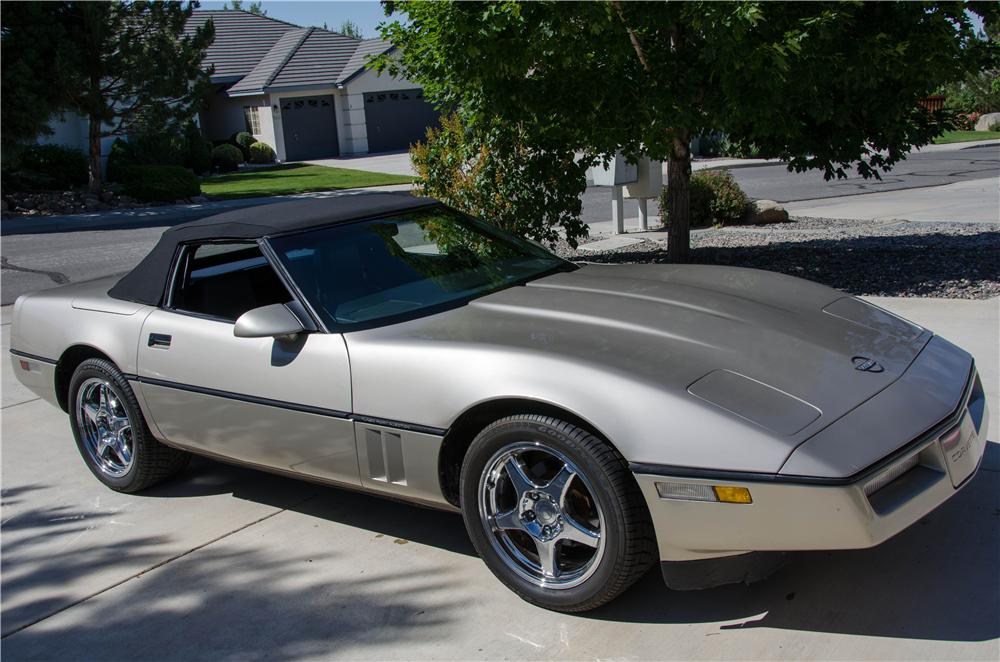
(877, 258)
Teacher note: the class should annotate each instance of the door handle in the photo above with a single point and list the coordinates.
(159, 340)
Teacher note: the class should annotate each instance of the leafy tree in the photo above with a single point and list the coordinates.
(824, 85)
(237, 5)
(128, 67)
(350, 29)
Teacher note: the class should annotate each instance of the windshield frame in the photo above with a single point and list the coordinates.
(333, 326)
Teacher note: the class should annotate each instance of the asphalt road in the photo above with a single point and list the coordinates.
(921, 169)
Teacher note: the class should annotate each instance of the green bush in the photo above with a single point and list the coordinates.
(261, 153)
(146, 149)
(227, 157)
(152, 183)
(495, 175)
(198, 151)
(994, 127)
(716, 198)
(243, 140)
(53, 167)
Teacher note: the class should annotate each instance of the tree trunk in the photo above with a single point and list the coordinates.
(679, 199)
(94, 140)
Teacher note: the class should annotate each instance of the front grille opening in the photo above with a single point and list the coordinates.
(891, 474)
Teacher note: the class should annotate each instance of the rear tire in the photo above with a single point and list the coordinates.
(555, 513)
(111, 433)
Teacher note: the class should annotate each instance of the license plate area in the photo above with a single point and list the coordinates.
(962, 449)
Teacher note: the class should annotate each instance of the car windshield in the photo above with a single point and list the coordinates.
(402, 266)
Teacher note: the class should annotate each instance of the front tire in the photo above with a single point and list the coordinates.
(111, 433)
(555, 513)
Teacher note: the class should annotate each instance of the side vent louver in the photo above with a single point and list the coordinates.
(385, 456)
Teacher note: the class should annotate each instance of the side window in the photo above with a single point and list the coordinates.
(225, 280)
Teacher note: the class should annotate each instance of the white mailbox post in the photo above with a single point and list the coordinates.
(642, 180)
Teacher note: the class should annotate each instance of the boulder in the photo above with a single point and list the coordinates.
(765, 211)
(199, 199)
(986, 121)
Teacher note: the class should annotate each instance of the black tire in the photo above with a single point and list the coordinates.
(630, 544)
(152, 462)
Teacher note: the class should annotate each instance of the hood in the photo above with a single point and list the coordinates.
(687, 365)
(780, 352)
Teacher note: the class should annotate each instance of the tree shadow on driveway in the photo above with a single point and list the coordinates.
(253, 596)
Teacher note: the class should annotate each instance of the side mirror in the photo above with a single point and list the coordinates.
(275, 320)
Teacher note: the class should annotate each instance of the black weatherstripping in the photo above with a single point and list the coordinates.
(283, 404)
(33, 357)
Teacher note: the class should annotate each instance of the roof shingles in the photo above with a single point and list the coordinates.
(262, 53)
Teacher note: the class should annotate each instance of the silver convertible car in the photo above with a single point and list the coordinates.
(587, 421)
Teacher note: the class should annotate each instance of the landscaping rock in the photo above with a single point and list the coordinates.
(107, 196)
(199, 199)
(951, 260)
(765, 211)
(986, 121)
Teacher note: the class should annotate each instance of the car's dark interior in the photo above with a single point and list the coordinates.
(226, 280)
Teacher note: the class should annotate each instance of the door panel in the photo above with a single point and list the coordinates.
(275, 403)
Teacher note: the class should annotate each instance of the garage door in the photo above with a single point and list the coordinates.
(310, 128)
(396, 119)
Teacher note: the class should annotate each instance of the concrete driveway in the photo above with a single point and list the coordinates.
(229, 563)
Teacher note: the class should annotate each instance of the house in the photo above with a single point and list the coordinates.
(305, 91)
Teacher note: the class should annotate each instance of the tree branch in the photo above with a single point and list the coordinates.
(632, 36)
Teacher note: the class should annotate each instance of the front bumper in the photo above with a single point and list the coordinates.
(793, 513)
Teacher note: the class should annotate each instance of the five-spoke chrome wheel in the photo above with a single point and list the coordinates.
(105, 427)
(540, 510)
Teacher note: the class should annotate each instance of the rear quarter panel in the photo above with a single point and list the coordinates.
(47, 324)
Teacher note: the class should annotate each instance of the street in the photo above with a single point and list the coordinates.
(72, 249)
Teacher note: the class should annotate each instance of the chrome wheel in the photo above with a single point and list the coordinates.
(105, 427)
(541, 515)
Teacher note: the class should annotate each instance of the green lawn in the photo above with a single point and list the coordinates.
(293, 178)
(965, 136)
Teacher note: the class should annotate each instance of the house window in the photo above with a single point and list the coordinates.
(251, 114)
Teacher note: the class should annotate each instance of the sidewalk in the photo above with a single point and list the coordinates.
(976, 201)
(161, 216)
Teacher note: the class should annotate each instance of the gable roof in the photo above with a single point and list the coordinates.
(241, 40)
(261, 54)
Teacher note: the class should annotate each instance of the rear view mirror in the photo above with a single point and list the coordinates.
(275, 321)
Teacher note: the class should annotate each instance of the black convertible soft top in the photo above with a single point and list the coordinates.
(146, 283)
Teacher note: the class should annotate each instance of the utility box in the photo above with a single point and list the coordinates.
(618, 173)
(649, 180)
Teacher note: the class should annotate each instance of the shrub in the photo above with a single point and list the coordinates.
(243, 140)
(227, 157)
(716, 198)
(493, 174)
(164, 148)
(197, 150)
(994, 127)
(55, 167)
(160, 183)
(261, 153)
